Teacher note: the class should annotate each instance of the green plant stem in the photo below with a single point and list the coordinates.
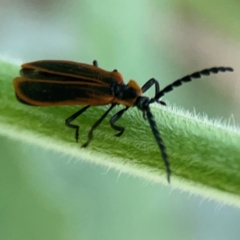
(204, 154)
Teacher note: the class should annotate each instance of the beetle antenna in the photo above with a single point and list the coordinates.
(159, 142)
(189, 78)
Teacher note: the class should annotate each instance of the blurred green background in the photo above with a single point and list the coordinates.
(45, 195)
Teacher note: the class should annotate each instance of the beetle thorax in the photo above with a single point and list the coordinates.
(125, 94)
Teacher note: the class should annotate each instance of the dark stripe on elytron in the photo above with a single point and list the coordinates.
(76, 70)
(35, 74)
(45, 92)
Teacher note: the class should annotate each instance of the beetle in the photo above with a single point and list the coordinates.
(57, 82)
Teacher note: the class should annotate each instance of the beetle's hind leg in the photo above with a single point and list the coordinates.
(73, 117)
(114, 119)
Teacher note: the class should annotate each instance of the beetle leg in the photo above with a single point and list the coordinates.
(144, 115)
(95, 125)
(149, 84)
(161, 102)
(95, 63)
(114, 119)
(73, 117)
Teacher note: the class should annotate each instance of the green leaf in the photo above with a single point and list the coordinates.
(204, 154)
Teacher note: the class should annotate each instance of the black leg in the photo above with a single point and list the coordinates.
(95, 125)
(95, 63)
(114, 119)
(149, 84)
(161, 102)
(74, 116)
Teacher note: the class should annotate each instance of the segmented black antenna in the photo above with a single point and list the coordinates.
(159, 140)
(188, 78)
